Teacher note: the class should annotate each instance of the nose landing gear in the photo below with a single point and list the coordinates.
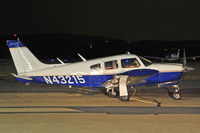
(176, 94)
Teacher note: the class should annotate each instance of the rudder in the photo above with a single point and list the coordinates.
(23, 58)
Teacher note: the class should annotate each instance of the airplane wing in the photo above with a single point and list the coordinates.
(160, 58)
(139, 76)
(134, 77)
(190, 57)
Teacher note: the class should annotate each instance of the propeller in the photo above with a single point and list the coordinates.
(186, 68)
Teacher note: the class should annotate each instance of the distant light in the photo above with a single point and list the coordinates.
(52, 60)
(91, 46)
(14, 35)
(65, 60)
(194, 58)
(126, 61)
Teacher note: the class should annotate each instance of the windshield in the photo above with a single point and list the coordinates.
(145, 61)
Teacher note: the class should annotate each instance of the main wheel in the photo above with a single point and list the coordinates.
(112, 93)
(124, 98)
(177, 96)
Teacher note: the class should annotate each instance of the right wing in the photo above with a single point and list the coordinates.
(160, 58)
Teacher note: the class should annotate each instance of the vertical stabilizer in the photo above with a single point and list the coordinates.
(23, 58)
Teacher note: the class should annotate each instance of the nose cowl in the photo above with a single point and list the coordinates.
(187, 68)
(168, 67)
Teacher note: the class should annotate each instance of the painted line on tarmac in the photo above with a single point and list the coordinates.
(100, 109)
(36, 109)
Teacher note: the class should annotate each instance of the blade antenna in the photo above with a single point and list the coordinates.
(60, 60)
(82, 57)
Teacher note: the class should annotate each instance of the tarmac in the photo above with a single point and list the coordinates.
(40, 108)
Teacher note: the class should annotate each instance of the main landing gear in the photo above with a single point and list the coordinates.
(176, 95)
(112, 93)
(118, 88)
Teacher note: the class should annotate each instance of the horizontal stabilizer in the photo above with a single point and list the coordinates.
(21, 77)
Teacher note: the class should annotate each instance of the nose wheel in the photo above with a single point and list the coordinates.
(176, 94)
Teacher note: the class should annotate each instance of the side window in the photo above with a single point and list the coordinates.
(96, 66)
(129, 63)
(111, 65)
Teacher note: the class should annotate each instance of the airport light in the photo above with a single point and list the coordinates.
(90, 45)
(52, 60)
(65, 60)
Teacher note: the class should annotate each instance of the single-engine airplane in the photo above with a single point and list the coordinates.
(118, 74)
(174, 57)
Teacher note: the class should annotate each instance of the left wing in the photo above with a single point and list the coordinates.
(134, 76)
(190, 57)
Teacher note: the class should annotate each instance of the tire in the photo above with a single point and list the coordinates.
(124, 98)
(111, 94)
(177, 96)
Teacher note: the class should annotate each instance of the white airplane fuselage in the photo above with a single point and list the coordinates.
(81, 74)
(109, 72)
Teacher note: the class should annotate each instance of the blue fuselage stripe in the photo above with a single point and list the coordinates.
(98, 80)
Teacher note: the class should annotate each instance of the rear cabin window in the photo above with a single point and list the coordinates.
(111, 65)
(96, 66)
(129, 63)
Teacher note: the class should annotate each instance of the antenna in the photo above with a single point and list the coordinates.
(60, 60)
(82, 57)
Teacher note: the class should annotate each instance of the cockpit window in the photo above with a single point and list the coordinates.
(96, 66)
(111, 65)
(145, 61)
(129, 63)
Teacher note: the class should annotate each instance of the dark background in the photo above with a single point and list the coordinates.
(64, 27)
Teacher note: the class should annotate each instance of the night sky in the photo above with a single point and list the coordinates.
(67, 27)
(129, 19)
